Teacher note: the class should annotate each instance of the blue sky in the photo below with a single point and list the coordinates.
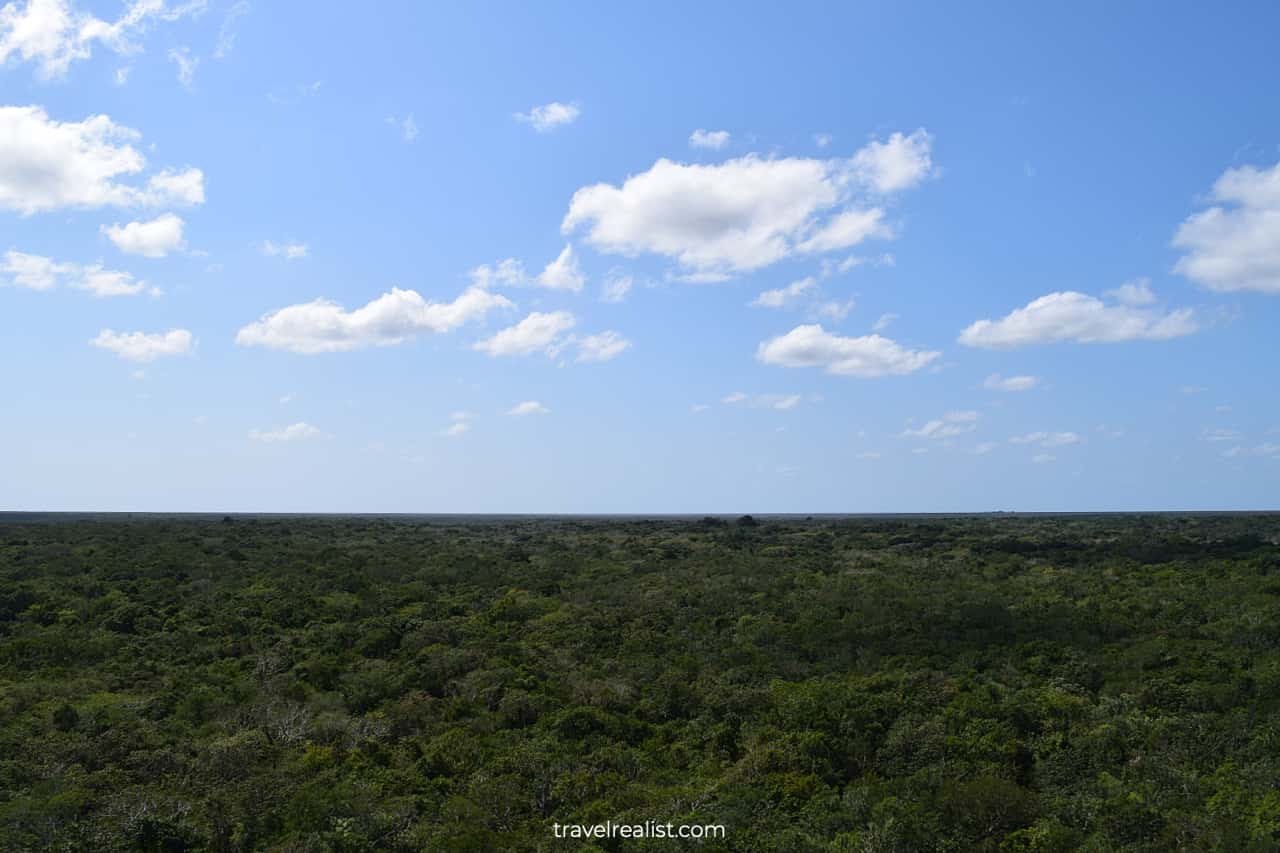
(673, 258)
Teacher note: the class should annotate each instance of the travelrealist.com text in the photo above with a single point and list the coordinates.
(648, 829)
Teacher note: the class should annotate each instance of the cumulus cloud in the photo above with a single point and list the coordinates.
(49, 165)
(897, 164)
(563, 272)
(716, 220)
(1076, 317)
(949, 425)
(883, 322)
(293, 432)
(783, 296)
(528, 407)
(1235, 245)
(1136, 292)
(616, 286)
(1048, 439)
(185, 187)
(143, 347)
(713, 139)
(393, 318)
(509, 272)
(153, 239)
(550, 116)
(33, 271)
(835, 310)
(39, 273)
(847, 229)
(868, 356)
(102, 282)
(996, 382)
(53, 34)
(831, 267)
(538, 331)
(288, 251)
(780, 402)
(604, 346)
(461, 425)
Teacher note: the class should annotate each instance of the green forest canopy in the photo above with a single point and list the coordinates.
(1009, 683)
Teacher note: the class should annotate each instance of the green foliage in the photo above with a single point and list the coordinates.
(999, 683)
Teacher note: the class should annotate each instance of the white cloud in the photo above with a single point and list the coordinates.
(288, 251)
(538, 331)
(461, 424)
(884, 322)
(293, 432)
(835, 310)
(102, 282)
(1078, 318)
(122, 75)
(563, 272)
(53, 34)
(604, 346)
(139, 346)
(528, 407)
(780, 402)
(867, 357)
(985, 447)
(784, 296)
(1136, 292)
(550, 116)
(1043, 458)
(153, 239)
(407, 126)
(1269, 449)
(822, 140)
(38, 273)
(393, 318)
(898, 164)
(616, 287)
(996, 382)
(743, 214)
(227, 32)
(48, 165)
(847, 229)
(33, 271)
(168, 187)
(1048, 439)
(1220, 435)
(1235, 245)
(713, 139)
(297, 93)
(456, 430)
(949, 425)
(509, 271)
(187, 64)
